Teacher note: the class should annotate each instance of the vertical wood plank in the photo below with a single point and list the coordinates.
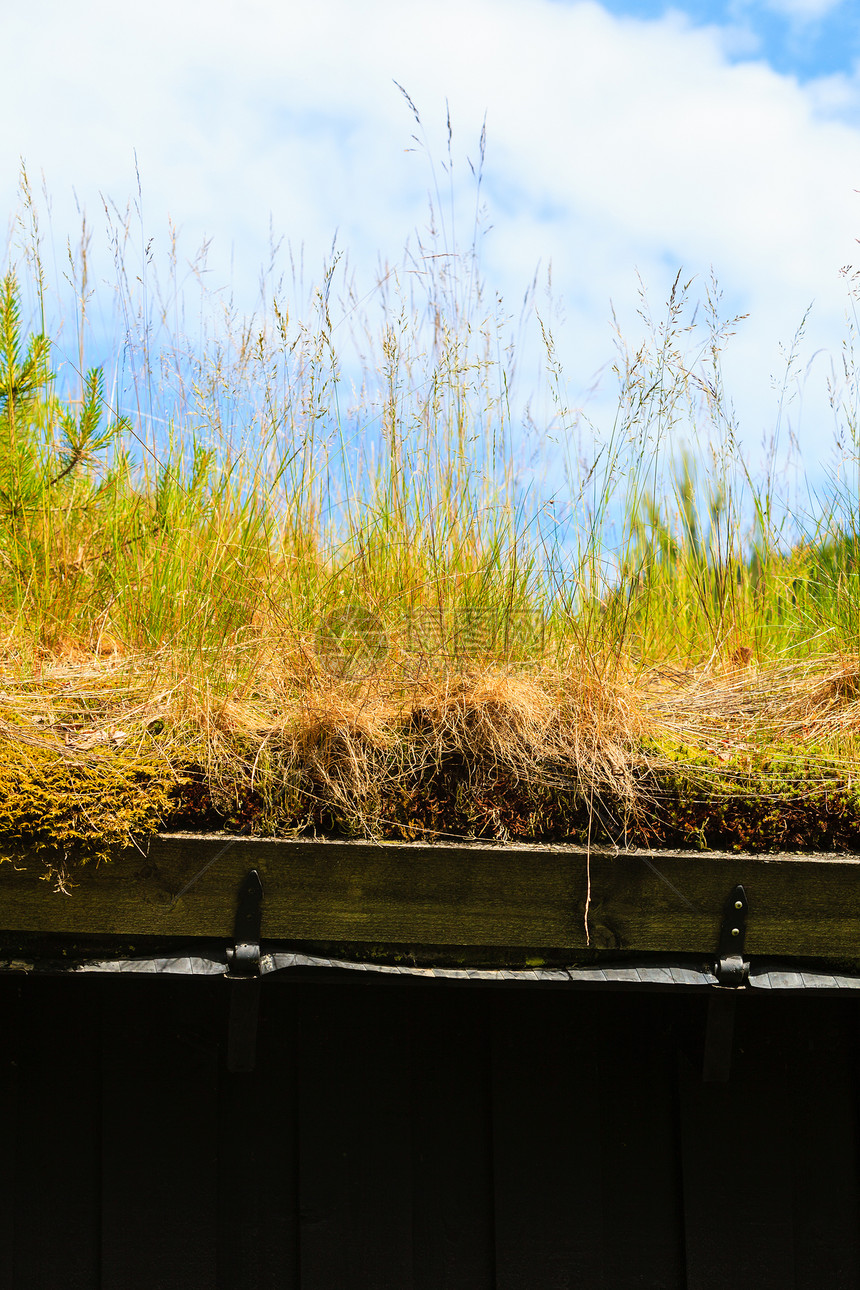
(825, 1076)
(355, 1150)
(636, 1039)
(159, 1198)
(547, 1143)
(10, 997)
(737, 1160)
(258, 1155)
(57, 1169)
(452, 1139)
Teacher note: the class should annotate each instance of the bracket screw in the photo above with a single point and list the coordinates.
(739, 904)
(736, 931)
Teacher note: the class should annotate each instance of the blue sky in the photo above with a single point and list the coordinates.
(623, 139)
(803, 38)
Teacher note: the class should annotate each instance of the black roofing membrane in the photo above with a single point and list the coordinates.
(647, 974)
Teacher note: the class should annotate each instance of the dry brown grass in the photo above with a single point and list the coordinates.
(741, 707)
(97, 751)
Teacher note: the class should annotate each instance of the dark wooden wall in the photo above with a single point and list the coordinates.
(419, 1135)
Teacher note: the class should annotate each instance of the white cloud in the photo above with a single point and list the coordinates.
(803, 11)
(613, 144)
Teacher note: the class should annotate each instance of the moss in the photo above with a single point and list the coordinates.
(776, 799)
(64, 807)
(686, 797)
(98, 772)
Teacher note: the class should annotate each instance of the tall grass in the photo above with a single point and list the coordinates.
(340, 491)
(332, 544)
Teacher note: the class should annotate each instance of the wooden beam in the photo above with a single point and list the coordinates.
(452, 895)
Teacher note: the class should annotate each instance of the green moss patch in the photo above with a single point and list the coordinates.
(64, 807)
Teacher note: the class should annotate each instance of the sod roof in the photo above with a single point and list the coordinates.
(98, 753)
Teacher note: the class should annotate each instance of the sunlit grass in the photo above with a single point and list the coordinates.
(294, 562)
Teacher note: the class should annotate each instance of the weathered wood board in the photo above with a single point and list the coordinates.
(450, 895)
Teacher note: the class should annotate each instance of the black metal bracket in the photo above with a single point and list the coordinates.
(243, 972)
(244, 958)
(731, 968)
(731, 971)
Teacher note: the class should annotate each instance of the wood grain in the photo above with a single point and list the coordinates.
(385, 893)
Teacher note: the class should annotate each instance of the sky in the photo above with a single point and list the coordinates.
(625, 141)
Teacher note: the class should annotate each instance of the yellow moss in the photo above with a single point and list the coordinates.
(61, 806)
